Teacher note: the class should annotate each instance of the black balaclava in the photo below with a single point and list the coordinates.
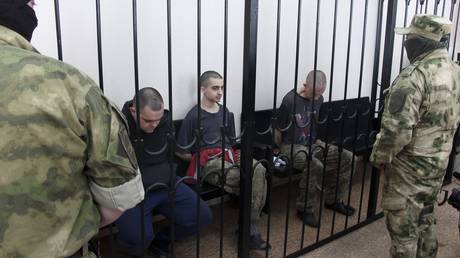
(420, 45)
(18, 16)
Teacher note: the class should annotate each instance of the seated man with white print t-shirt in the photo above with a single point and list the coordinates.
(302, 134)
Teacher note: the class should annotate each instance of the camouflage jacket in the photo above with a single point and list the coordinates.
(63, 148)
(421, 115)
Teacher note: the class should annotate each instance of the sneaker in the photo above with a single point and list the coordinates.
(257, 243)
(308, 218)
(341, 208)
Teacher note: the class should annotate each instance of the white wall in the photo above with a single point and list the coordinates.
(286, 79)
(80, 46)
(411, 12)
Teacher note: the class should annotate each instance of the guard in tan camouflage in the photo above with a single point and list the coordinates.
(67, 166)
(412, 149)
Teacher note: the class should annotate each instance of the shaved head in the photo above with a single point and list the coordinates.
(314, 85)
(320, 80)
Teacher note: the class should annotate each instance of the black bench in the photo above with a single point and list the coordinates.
(353, 115)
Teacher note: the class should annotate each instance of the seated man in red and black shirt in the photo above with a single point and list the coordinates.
(212, 116)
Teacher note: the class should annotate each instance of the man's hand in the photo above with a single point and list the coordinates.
(108, 215)
(184, 156)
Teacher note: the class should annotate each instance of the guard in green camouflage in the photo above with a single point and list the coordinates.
(67, 166)
(420, 118)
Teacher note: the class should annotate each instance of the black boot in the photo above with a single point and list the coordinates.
(257, 243)
(341, 208)
(308, 218)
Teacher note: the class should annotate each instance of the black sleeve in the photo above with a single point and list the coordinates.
(283, 116)
(186, 134)
(231, 128)
(457, 139)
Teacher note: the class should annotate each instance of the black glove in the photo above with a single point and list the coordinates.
(454, 198)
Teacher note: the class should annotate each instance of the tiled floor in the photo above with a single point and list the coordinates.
(374, 241)
(210, 240)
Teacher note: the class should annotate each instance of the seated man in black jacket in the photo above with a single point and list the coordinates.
(156, 170)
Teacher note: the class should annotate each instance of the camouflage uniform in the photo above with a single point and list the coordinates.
(420, 118)
(232, 183)
(63, 147)
(315, 173)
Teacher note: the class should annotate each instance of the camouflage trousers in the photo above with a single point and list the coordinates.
(408, 204)
(313, 176)
(232, 183)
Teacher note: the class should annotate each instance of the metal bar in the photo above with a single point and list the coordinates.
(450, 165)
(416, 6)
(171, 138)
(247, 116)
(170, 92)
(99, 45)
(112, 242)
(334, 33)
(296, 73)
(403, 37)
(222, 134)
(344, 114)
(451, 16)
(274, 123)
(171, 135)
(378, 35)
(443, 6)
(278, 24)
(172, 194)
(199, 129)
(58, 29)
(336, 236)
(452, 7)
(312, 116)
(455, 35)
(436, 6)
(426, 7)
(138, 127)
(386, 80)
(375, 86)
(363, 47)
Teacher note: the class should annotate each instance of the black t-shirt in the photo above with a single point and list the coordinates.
(304, 133)
(153, 163)
(211, 124)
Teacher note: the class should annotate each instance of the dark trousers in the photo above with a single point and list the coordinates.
(157, 202)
